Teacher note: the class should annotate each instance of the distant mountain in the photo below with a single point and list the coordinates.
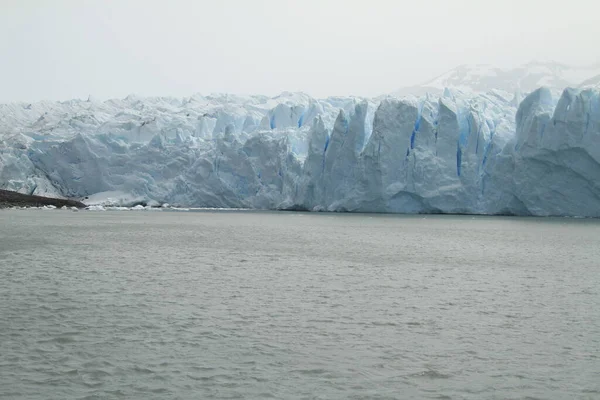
(526, 78)
(593, 82)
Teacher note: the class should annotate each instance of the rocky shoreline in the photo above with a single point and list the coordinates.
(14, 199)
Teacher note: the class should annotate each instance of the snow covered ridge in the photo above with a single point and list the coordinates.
(525, 78)
(459, 153)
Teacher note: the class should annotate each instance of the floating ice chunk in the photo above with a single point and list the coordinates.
(95, 208)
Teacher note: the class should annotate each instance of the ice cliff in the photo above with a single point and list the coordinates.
(487, 153)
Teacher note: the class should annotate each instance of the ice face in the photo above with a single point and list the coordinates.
(460, 153)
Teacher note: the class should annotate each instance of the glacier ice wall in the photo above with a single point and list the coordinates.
(460, 153)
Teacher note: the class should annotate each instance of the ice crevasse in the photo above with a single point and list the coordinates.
(459, 153)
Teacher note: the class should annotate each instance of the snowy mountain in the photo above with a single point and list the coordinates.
(523, 79)
(593, 83)
(478, 153)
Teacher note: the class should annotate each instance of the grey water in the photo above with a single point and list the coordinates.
(255, 305)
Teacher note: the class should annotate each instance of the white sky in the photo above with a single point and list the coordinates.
(62, 49)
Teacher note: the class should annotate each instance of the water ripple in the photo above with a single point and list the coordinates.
(265, 305)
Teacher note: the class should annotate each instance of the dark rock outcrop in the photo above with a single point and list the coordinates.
(14, 199)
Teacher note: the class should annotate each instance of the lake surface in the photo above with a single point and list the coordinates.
(223, 305)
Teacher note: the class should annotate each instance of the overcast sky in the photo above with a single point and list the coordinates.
(63, 49)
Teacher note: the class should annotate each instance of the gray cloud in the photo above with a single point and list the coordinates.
(68, 49)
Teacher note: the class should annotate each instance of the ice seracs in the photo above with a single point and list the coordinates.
(459, 152)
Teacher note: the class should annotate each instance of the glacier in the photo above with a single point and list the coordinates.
(459, 152)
